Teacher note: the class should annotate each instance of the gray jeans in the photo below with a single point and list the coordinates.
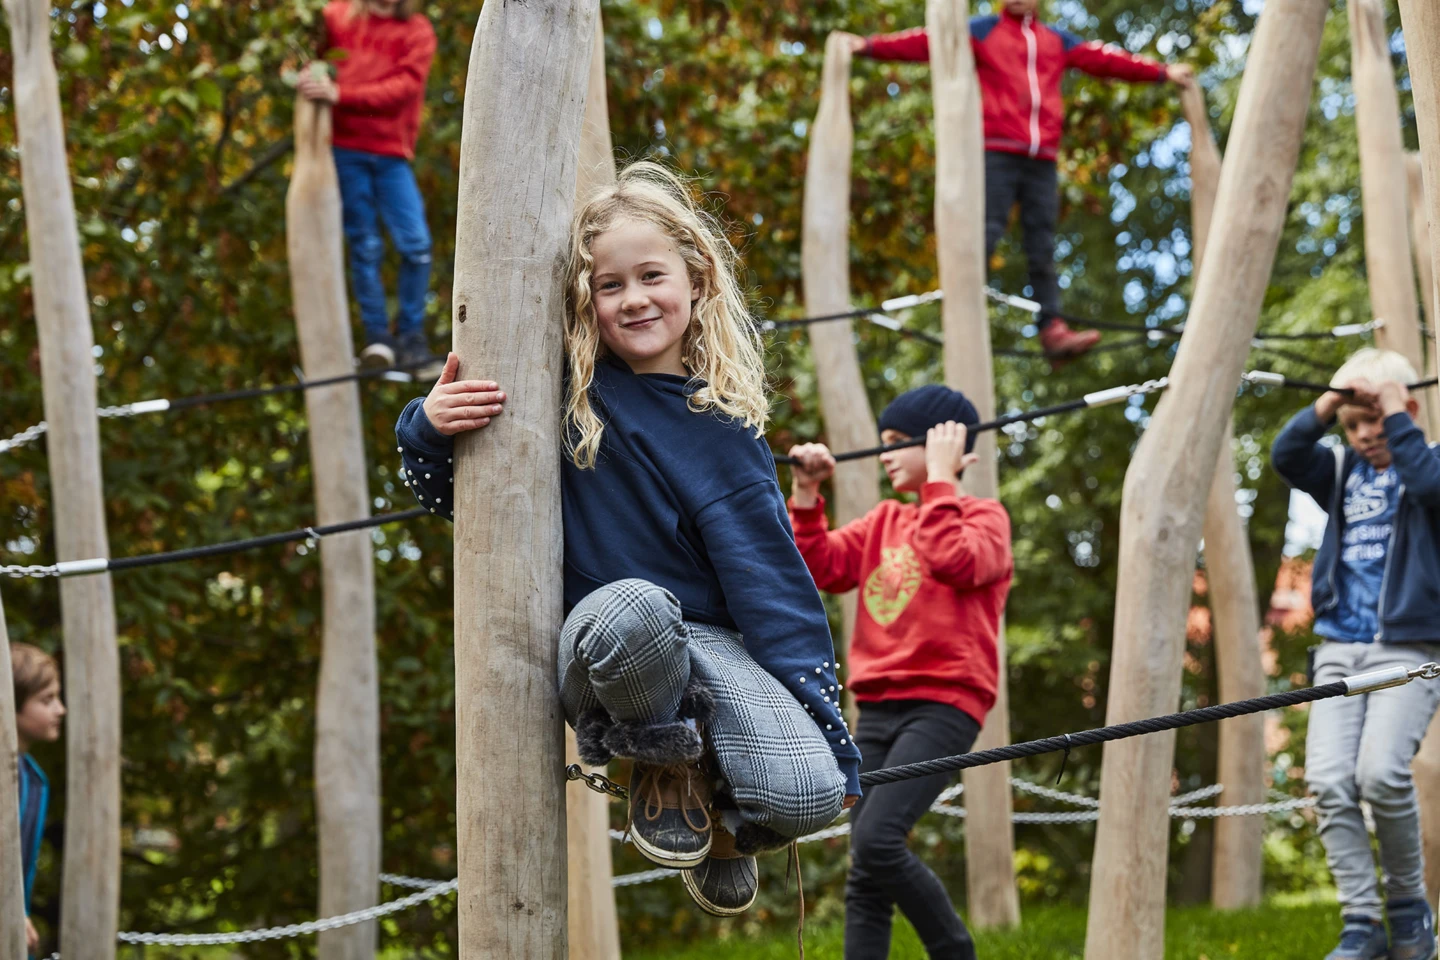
(1360, 748)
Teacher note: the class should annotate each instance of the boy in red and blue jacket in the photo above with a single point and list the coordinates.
(1020, 62)
(933, 578)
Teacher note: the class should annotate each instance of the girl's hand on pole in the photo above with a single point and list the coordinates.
(857, 43)
(945, 454)
(813, 465)
(455, 406)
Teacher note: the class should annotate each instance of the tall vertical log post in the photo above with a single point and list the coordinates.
(12, 878)
(1170, 474)
(825, 266)
(991, 893)
(1424, 252)
(1420, 20)
(594, 927)
(91, 887)
(1230, 572)
(347, 713)
(524, 99)
(1388, 265)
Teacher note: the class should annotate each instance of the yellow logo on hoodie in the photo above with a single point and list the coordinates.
(892, 585)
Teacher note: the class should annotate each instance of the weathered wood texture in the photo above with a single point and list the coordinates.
(1230, 570)
(1424, 252)
(597, 151)
(991, 894)
(1167, 482)
(1388, 265)
(594, 926)
(825, 266)
(347, 713)
(524, 99)
(12, 878)
(91, 886)
(1420, 20)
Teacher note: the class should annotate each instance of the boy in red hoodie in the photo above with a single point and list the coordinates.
(1020, 62)
(377, 97)
(933, 577)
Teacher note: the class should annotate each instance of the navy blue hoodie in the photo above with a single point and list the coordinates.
(690, 502)
(1410, 591)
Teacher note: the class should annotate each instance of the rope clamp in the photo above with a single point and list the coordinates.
(597, 782)
(1064, 759)
(1389, 677)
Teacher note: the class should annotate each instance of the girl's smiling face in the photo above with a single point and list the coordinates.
(643, 296)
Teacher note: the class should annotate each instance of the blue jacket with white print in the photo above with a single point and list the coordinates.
(690, 502)
(1410, 591)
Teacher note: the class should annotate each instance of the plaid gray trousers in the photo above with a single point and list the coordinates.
(626, 648)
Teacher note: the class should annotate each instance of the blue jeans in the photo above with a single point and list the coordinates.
(375, 187)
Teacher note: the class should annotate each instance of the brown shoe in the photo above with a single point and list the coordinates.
(726, 883)
(1061, 343)
(669, 814)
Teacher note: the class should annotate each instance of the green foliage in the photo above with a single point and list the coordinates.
(1058, 933)
(173, 116)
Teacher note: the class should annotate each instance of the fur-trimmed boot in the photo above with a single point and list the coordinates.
(669, 794)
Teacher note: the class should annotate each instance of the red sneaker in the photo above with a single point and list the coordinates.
(1061, 343)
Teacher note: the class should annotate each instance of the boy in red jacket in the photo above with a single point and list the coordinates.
(1020, 62)
(377, 96)
(933, 577)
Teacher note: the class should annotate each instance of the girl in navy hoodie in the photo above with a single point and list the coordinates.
(695, 642)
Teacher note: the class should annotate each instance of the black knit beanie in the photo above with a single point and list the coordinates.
(915, 411)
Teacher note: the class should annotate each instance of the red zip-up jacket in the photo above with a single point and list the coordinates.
(381, 79)
(933, 579)
(1020, 62)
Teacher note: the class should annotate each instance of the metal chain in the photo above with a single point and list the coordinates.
(28, 435)
(430, 892)
(20, 571)
(597, 782)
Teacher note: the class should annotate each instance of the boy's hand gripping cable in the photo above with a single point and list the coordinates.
(1348, 687)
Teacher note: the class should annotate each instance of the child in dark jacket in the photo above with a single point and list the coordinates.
(377, 96)
(38, 712)
(933, 578)
(694, 642)
(1376, 595)
(1020, 62)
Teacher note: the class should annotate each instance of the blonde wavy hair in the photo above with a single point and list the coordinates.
(721, 349)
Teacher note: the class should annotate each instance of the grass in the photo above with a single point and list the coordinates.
(1301, 932)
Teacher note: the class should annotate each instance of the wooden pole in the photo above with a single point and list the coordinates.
(991, 894)
(1230, 572)
(1424, 253)
(1166, 485)
(524, 99)
(91, 887)
(347, 714)
(1420, 20)
(1426, 766)
(1382, 183)
(594, 926)
(12, 876)
(825, 265)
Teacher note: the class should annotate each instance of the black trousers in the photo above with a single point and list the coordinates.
(884, 873)
(1034, 184)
